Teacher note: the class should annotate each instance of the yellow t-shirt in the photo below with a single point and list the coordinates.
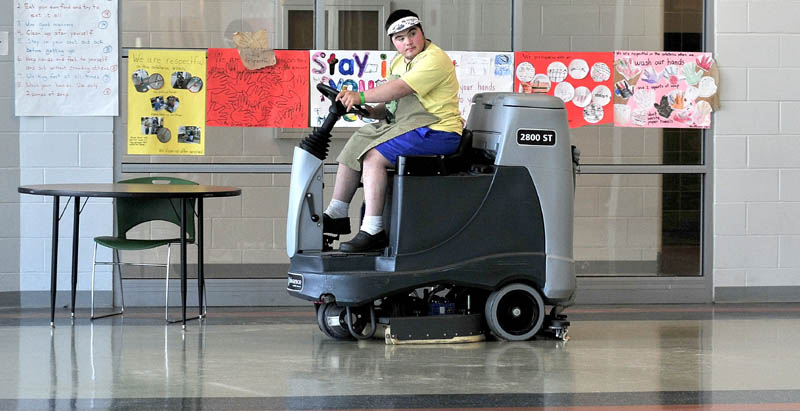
(432, 75)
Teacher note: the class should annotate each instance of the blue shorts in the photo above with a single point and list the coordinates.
(421, 141)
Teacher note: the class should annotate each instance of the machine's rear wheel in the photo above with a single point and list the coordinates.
(330, 320)
(515, 312)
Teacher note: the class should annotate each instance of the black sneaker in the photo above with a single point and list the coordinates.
(335, 225)
(364, 241)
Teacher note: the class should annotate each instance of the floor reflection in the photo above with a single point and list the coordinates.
(129, 359)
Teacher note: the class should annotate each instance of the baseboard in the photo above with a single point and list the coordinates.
(38, 299)
(775, 294)
(221, 271)
(9, 299)
(219, 292)
(150, 293)
(642, 290)
(272, 292)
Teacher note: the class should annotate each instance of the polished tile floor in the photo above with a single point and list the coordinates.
(682, 357)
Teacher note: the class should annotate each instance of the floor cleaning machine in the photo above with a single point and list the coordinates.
(479, 241)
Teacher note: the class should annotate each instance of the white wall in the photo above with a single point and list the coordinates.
(56, 150)
(757, 144)
(9, 164)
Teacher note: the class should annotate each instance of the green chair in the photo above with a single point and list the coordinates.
(130, 212)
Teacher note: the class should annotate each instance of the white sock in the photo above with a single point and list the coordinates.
(337, 209)
(372, 224)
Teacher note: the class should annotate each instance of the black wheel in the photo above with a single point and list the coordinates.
(330, 320)
(321, 319)
(331, 94)
(515, 312)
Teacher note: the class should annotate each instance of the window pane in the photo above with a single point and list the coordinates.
(358, 29)
(463, 25)
(301, 30)
(617, 145)
(638, 224)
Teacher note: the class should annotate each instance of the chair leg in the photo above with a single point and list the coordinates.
(94, 262)
(166, 293)
(92, 317)
(119, 277)
(202, 280)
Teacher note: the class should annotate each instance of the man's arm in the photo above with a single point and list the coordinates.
(392, 90)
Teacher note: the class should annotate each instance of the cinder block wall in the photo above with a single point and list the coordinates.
(757, 150)
(757, 196)
(42, 150)
(9, 170)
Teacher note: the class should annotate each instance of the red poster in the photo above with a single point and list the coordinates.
(275, 96)
(582, 79)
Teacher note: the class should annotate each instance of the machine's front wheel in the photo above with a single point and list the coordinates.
(330, 320)
(515, 312)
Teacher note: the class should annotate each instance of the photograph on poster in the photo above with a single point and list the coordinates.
(150, 125)
(155, 81)
(189, 134)
(139, 79)
(180, 79)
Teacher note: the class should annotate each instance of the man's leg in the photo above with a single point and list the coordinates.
(335, 219)
(372, 236)
(375, 181)
(346, 184)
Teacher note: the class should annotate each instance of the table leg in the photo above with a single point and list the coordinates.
(75, 228)
(201, 279)
(54, 262)
(183, 259)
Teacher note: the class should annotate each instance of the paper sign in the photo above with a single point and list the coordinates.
(166, 102)
(3, 43)
(254, 50)
(66, 58)
(582, 80)
(345, 69)
(663, 89)
(275, 96)
(481, 72)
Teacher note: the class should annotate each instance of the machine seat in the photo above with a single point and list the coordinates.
(438, 165)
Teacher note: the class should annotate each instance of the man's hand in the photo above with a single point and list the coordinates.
(371, 111)
(349, 98)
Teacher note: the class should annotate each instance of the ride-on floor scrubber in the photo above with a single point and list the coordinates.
(478, 239)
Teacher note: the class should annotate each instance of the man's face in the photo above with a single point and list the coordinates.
(409, 42)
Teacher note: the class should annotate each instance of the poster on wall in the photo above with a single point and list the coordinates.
(273, 96)
(66, 58)
(581, 79)
(166, 102)
(663, 89)
(481, 72)
(356, 70)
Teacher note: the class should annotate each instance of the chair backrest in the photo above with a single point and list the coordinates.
(134, 211)
(459, 161)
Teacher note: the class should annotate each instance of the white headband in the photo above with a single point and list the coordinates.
(402, 24)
